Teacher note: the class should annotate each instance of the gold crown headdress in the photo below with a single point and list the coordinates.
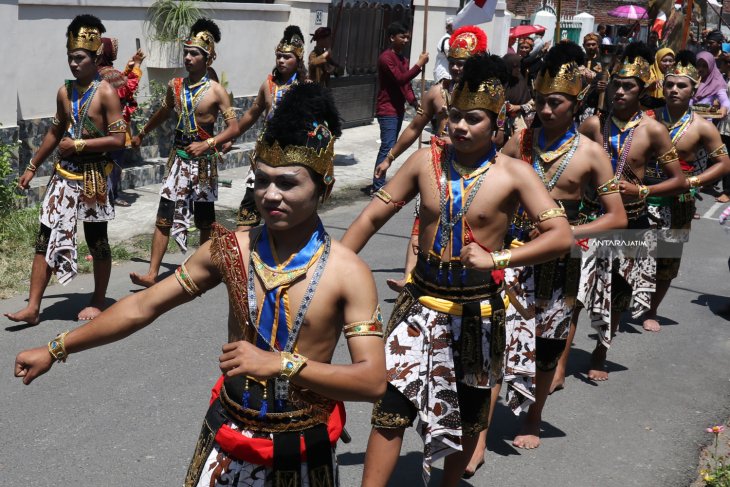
(88, 38)
(638, 69)
(203, 40)
(568, 80)
(489, 96)
(320, 160)
(294, 44)
(688, 71)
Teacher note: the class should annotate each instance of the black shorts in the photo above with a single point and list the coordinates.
(203, 214)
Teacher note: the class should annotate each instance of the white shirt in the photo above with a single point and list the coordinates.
(441, 67)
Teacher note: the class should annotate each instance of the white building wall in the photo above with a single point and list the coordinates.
(8, 69)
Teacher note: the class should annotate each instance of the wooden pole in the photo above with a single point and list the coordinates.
(557, 22)
(687, 22)
(423, 70)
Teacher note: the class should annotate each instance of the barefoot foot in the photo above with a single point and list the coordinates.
(472, 469)
(598, 370)
(144, 280)
(25, 315)
(529, 437)
(558, 383)
(89, 313)
(723, 198)
(651, 324)
(396, 285)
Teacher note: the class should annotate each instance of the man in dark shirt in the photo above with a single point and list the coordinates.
(394, 81)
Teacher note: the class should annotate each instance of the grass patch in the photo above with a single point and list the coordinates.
(18, 231)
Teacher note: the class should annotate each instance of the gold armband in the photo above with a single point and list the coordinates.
(142, 132)
(668, 157)
(55, 121)
(643, 191)
(291, 364)
(79, 145)
(187, 283)
(211, 142)
(550, 214)
(501, 258)
(419, 111)
(229, 113)
(371, 327)
(120, 126)
(610, 186)
(694, 182)
(31, 167)
(57, 347)
(387, 198)
(164, 104)
(720, 151)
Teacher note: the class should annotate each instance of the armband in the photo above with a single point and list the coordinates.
(164, 103)
(57, 347)
(694, 182)
(120, 126)
(371, 327)
(229, 113)
(55, 121)
(643, 191)
(550, 214)
(187, 283)
(668, 157)
(720, 151)
(610, 186)
(291, 364)
(419, 111)
(501, 258)
(79, 145)
(383, 195)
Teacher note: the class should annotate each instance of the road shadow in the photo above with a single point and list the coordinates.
(718, 305)
(579, 363)
(391, 270)
(407, 468)
(66, 309)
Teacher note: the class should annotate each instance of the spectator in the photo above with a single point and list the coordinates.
(663, 60)
(712, 90)
(394, 81)
(713, 43)
(724, 128)
(321, 64)
(441, 67)
(517, 94)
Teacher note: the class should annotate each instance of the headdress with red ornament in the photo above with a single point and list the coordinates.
(467, 41)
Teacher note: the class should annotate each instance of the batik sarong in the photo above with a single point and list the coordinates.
(188, 181)
(519, 352)
(64, 204)
(423, 363)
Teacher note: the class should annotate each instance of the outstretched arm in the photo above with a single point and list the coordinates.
(125, 317)
(399, 191)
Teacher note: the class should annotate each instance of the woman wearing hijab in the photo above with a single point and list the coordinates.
(518, 97)
(663, 60)
(712, 90)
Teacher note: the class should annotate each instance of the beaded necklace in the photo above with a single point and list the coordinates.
(80, 104)
(617, 138)
(559, 148)
(190, 97)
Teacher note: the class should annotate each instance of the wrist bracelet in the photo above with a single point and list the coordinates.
(291, 364)
(79, 145)
(694, 182)
(643, 191)
(57, 348)
(501, 259)
(211, 142)
(390, 155)
(142, 132)
(31, 167)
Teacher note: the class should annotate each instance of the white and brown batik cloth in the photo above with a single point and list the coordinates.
(188, 181)
(64, 204)
(424, 365)
(613, 281)
(519, 353)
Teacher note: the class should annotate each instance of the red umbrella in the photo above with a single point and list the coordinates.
(525, 30)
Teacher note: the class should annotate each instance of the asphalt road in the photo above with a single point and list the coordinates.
(128, 414)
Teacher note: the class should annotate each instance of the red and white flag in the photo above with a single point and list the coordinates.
(475, 12)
